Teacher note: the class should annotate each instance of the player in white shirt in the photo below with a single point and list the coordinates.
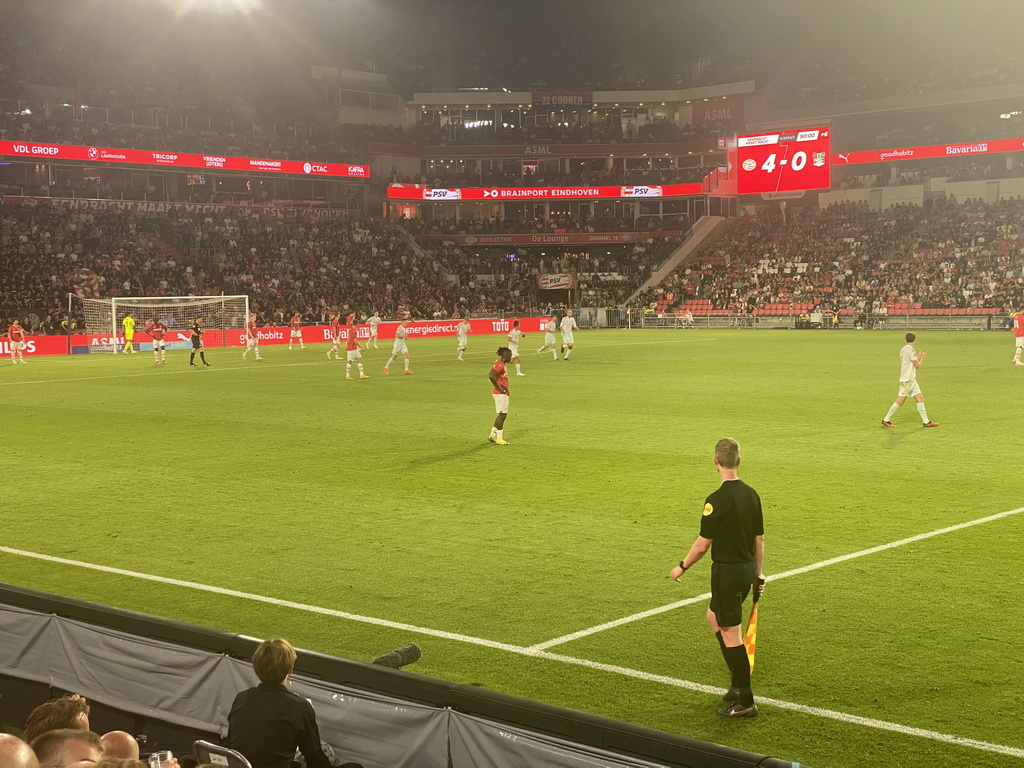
(568, 325)
(513, 344)
(399, 348)
(374, 322)
(910, 361)
(549, 338)
(463, 330)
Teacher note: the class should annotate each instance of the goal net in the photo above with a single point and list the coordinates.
(105, 317)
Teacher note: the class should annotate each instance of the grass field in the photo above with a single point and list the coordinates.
(382, 500)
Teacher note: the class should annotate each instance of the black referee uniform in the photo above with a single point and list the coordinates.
(732, 519)
(197, 344)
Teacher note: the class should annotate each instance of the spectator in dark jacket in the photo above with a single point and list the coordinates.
(267, 723)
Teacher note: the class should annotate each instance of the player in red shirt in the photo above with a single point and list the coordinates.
(335, 337)
(16, 337)
(252, 338)
(296, 323)
(352, 349)
(499, 380)
(1018, 333)
(156, 329)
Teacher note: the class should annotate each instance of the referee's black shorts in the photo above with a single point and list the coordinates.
(730, 585)
(196, 343)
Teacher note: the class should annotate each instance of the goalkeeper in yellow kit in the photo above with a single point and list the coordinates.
(129, 334)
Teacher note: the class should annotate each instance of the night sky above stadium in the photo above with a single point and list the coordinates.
(443, 45)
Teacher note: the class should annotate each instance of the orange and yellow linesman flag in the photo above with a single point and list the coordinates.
(750, 637)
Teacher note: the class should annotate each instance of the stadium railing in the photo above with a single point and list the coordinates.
(934, 320)
(62, 644)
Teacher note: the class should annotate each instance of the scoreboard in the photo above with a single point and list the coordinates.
(784, 161)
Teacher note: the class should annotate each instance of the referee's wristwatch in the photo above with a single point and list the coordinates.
(685, 569)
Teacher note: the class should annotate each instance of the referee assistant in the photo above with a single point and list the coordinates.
(732, 527)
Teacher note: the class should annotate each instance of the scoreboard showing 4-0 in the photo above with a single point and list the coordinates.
(785, 161)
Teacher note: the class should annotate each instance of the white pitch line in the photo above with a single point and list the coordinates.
(220, 368)
(265, 599)
(533, 653)
(785, 574)
(831, 714)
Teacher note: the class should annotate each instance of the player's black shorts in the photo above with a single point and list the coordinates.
(196, 343)
(730, 585)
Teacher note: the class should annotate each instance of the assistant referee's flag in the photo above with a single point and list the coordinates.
(750, 637)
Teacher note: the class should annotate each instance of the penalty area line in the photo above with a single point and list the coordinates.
(785, 574)
(540, 654)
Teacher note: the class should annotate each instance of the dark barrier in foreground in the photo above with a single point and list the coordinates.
(466, 725)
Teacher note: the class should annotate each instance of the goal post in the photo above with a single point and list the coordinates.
(104, 317)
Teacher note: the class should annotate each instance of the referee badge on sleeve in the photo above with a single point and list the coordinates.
(708, 509)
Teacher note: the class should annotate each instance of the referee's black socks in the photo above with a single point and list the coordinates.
(739, 667)
(192, 358)
(721, 644)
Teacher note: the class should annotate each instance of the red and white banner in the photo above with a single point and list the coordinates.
(552, 281)
(720, 111)
(934, 150)
(139, 206)
(569, 238)
(311, 334)
(68, 152)
(415, 192)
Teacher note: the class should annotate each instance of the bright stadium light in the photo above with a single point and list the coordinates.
(224, 6)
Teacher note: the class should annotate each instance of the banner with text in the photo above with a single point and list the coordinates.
(569, 238)
(562, 99)
(236, 337)
(140, 206)
(552, 281)
(412, 192)
(720, 111)
(922, 153)
(40, 153)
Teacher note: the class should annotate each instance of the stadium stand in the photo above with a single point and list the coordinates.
(285, 264)
(949, 258)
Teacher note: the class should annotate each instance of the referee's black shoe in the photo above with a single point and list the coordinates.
(739, 710)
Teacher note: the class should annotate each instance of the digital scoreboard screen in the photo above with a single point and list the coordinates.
(784, 161)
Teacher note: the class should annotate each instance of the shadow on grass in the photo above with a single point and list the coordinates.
(895, 437)
(441, 458)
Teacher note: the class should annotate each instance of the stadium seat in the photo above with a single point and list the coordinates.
(207, 752)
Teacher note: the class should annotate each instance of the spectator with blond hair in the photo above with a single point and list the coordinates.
(267, 723)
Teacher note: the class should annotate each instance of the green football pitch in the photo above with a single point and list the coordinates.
(276, 498)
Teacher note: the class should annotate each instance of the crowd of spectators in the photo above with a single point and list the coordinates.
(603, 129)
(238, 138)
(918, 172)
(909, 69)
(606, 275)
(268, 725)
(285, 264)
(557, 223)
(946, 256)
(614, 176)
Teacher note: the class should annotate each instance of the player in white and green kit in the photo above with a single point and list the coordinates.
(462, 329)
(373, 322)
(549, 338)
